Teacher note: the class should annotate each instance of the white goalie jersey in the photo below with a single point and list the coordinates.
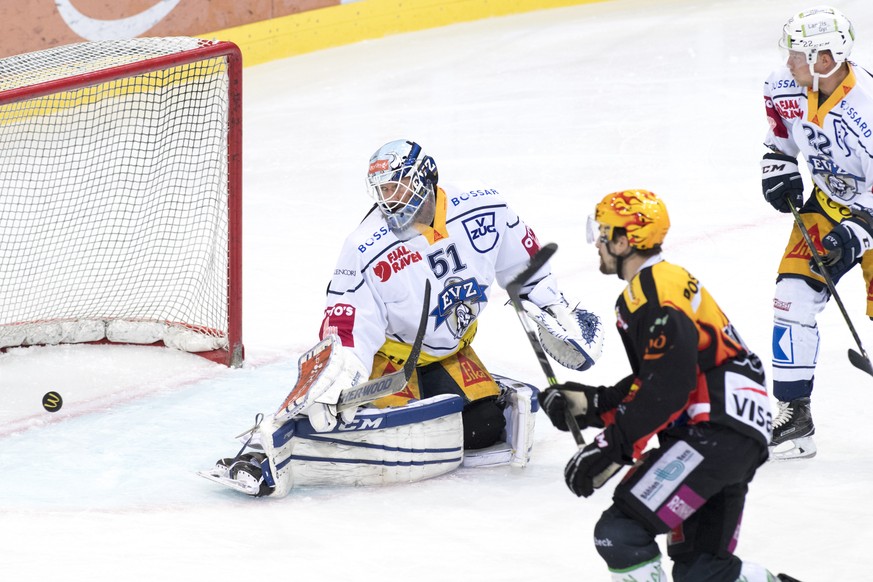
(835, 137)
(476, 242)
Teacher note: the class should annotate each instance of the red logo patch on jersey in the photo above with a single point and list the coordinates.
(530, 242)
(776, 122)
(471, 373)
(801, 249)
(396, 261)
(340, 319)
(789, 108)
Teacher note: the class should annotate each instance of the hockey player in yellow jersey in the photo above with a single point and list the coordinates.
(820, 105)
(695, 385)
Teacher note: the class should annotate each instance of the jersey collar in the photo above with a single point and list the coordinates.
(438, 231)
(817, 114)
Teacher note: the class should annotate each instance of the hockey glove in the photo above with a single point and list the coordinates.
(781, 181)
(581, 400)
(586, 403)
(594, 465)
(843, 247)
(322, 399)
(572, 336)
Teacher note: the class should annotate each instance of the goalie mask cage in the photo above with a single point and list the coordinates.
(120, 195)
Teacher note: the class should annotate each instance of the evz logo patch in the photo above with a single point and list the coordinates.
(481, 231)
(459, 303)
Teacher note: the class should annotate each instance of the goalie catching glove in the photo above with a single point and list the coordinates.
(570, 335)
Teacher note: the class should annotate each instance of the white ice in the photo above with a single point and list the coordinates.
(555, 108)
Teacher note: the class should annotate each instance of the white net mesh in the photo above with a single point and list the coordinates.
(114, 198)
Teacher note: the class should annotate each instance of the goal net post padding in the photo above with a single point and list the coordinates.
(121, 195)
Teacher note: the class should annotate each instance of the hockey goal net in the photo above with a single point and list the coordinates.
(120, 195)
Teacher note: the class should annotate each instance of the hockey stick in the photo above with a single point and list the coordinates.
(513, 289)
(396, 381)
(860, 361)
(368, 391)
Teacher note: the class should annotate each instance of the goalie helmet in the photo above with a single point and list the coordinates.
(402, 179)
(640, 213)
(819, 29)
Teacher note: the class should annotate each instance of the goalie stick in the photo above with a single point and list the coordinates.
(514, 290)
(860, 361)
(355, 395)
(396, 381)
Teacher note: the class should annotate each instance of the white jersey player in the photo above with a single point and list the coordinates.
(819, 105)
(463, 243)
(466, 241)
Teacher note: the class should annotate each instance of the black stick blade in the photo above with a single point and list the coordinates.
(860, 362)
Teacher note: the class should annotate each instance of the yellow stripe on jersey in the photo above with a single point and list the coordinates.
(463, 367)
(398, 352)
(439, 230)
(836, 211)
(817, 114)
(677, 288)
(634, 297)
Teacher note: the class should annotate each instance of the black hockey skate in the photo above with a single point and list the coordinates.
(792, 431)
(787, 578)
(242, 474)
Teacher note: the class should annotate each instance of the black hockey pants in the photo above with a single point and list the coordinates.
(694, 488)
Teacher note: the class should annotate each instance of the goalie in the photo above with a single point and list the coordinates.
(460, 242)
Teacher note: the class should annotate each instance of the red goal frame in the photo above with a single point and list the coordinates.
(234, 354)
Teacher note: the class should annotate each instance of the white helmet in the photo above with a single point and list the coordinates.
(402, 178)
(819, 29)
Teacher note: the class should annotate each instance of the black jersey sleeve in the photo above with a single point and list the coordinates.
(665, 346)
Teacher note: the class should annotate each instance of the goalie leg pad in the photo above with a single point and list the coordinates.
(397, 445)
(520, 405)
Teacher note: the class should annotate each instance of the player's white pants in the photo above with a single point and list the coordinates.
(795, 337)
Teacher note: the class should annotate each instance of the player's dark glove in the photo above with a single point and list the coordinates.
(781, 181)
(581, 401)
(586, 403)
(843, 247)
(595, 464)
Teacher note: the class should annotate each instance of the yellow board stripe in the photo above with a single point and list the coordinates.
(314, 30)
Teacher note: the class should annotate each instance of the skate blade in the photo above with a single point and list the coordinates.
(801, 448)
(230, 483)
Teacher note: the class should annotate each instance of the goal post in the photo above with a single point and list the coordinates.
(121, 195)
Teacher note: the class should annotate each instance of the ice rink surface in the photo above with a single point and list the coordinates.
(553, 108)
